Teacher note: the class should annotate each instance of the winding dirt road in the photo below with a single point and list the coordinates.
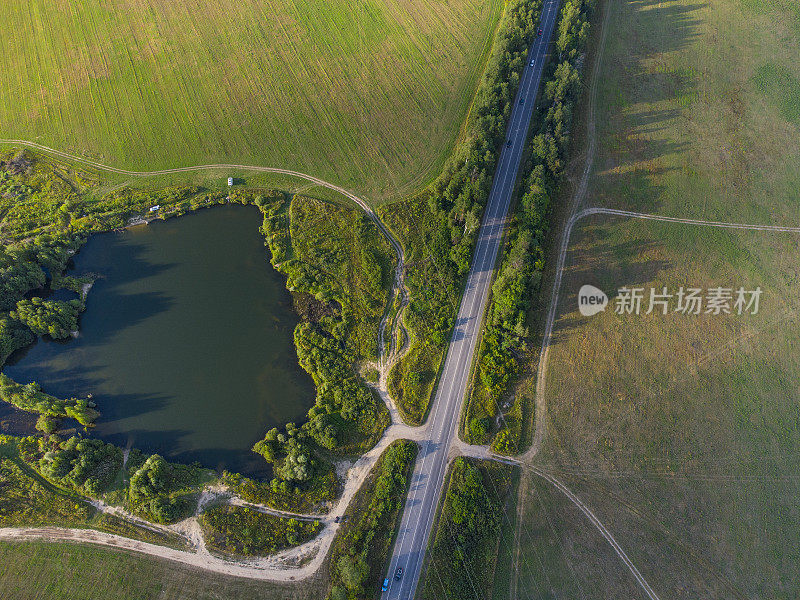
(293, 564)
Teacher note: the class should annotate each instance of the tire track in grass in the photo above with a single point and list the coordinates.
(540, 431)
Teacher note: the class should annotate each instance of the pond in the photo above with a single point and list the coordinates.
(186, 342)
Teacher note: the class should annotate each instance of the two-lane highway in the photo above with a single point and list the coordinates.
(429, 471)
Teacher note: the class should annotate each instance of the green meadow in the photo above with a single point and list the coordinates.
(699, 111)
(45, 571)
(680, 431)
(369, 94)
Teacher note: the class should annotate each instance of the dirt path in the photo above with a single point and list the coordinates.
(196, 168)
(602, 529)
(540, 410)
(698, 222)
(271, 568)
(576, 215)
(296, 563)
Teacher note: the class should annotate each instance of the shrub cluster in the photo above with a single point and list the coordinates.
(56, 318)
(361, 551)
(310, 496)
(24, 267)
(246, 531)
(291, 453)
(164, 492)
(86, 465)
(464, 549)
(336, 263)
(31, 398)
(25, 499)
(13, 336)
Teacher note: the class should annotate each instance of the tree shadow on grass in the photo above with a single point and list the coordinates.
(643, 96)
(596, 260)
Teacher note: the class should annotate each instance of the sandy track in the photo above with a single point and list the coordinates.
(293, 564)
(602, 529)
(267, 568)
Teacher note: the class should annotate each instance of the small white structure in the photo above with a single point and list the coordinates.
(155, 208)
(230, 181)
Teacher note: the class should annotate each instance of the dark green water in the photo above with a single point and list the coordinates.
(186, 341)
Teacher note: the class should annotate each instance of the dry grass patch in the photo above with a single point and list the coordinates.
(682, 432)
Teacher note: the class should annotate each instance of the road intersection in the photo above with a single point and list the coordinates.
(429, 472)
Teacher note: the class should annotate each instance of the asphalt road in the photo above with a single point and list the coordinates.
(428, 477)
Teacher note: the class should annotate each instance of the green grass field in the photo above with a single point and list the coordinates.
(699, 111)
(370, 94)
(681, 432)
(74, 572)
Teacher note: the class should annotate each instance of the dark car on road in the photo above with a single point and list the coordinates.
(398, 574)
(508, 144)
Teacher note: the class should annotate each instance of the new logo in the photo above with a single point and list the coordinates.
(591, 300)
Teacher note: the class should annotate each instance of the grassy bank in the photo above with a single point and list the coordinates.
(339, 269)
(27, 498)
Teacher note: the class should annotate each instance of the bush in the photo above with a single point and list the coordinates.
(55, 318)
(479, 428)
(88, 466)
(31, 398)
(164, 492)
(244, 530)
(309, 496)
(13, 336)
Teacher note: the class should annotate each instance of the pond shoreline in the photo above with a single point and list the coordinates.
(123, 304)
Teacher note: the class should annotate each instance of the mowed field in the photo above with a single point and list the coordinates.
(369, 94)
(681, 432)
